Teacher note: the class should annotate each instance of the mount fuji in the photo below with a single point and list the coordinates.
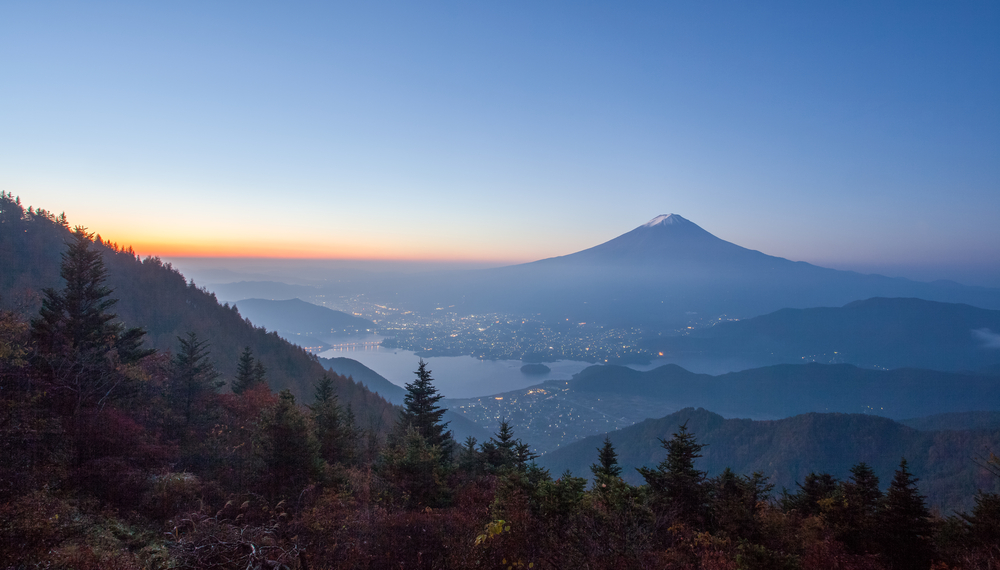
(670, 272)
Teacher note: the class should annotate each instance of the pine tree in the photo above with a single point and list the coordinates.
(420, 410)
(244, 371)
(469, 459)
(856, 518)
(734, 502)
(504, 451)
(816, 491)
(607, 463)
(289, 453)
(250, 372)
(259, 373)
(82, 350)
(677, 488)
(328, 422)
(194, 375)
(904, 523)
(415, 470)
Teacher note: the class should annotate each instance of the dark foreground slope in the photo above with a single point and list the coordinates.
(156, 297)
(787, 450)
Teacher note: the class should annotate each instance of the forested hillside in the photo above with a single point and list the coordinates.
(155, 296)
(787, 450)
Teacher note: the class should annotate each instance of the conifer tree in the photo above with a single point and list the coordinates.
(250, 371)
(808, 500)
(259, 373)
(469, 459)
(82, 350)
(420, 410)
(504, 451)
(607, 463)
(678, 489)
(329, 424)
(904, 523)
(734, 502)
(289, 453)
(856, 519)
(244, 371)
(984, 522)
(194, 375)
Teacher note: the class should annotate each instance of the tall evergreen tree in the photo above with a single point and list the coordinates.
(244, 371)
(904, 523)
(808, 500)
(734, 502)
(194, 375)
(289, 453)
(856, 518)
(677, 488)
(250, 372)
(607, 463)
(504, 451)
(420, 410)
(328, 423)
(81, 349)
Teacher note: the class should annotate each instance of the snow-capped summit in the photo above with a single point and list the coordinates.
(664, 220)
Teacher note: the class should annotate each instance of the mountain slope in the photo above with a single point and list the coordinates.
(299, 317)
(366, 376)
(879, 332)
(157, 297)
(787, 450)
(788, 389)
(603, 398)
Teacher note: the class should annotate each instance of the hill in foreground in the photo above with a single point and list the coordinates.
(787, 450)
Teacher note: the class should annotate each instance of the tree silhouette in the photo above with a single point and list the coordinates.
(329, 424)
(607, 463)
(504, 451)
(677, 488)
(194, 375)
(420, 410)
(82, 351)
(289, 452)
(904, 523)
(250, 371)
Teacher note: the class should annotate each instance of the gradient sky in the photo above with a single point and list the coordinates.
(860, 135)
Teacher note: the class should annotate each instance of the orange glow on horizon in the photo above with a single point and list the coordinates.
(244, 250)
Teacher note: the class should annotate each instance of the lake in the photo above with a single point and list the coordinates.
(470, 377)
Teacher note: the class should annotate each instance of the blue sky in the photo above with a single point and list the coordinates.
(860, 135)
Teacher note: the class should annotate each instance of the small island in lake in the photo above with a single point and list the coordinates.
(535, 369)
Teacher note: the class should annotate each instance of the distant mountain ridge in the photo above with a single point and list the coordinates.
(788, 389)
(299, 317)
(877, 332)
(603, 398)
